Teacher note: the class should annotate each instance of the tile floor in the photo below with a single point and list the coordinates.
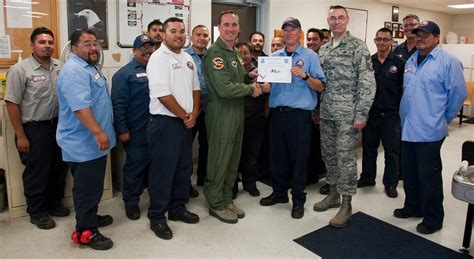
(265, 232)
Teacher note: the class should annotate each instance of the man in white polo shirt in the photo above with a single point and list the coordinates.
(174, 106)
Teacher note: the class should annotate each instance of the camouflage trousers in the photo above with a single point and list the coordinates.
(338, 147)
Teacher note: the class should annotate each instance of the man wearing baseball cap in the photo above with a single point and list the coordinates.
(290, 127)
(130, 100)
(434, 91)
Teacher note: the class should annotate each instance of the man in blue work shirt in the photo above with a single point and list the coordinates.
(86, 134)
(130, 99)
(290, 126)
(434, 91)
(200, 38)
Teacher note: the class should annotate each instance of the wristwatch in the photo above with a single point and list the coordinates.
(306, 77)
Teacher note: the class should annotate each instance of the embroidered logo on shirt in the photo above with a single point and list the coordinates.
(233, 63)
(176, 66)
(218, 63)
(190, 65)
(299, 63)
(141, 75)
(393, 70)
(38, 78)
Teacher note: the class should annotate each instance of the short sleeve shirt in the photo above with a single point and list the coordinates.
(298, 94)
(80, 86)
(174, 74)
(33, 88)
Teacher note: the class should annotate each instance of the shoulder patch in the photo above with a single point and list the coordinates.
(218, 63)
(190, 65)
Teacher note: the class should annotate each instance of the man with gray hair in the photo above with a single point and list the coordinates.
(407, 48)
(349, 93)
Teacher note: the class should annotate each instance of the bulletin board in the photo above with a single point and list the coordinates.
(17, 21)
(134, 16)
(358, 23)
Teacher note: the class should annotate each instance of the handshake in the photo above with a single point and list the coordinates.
(261, 88)
(257, 91)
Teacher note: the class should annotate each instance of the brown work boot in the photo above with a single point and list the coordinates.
(332, 200)
(344, 215)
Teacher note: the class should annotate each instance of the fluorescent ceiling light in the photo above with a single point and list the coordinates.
(462, 6)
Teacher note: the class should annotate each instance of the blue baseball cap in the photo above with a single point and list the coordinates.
(142, 39)
(427, 26)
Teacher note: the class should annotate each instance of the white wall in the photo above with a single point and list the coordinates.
(463, 25)
(200, 14)
(313, 13)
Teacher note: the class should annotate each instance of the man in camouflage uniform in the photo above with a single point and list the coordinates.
(348, 96)
(226, 80)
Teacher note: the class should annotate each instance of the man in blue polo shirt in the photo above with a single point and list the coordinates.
(130, 99)
(434, 91)
(290, 126)
(86, 134)
(200, 37)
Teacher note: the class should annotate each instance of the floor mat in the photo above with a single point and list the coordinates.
(368, 237)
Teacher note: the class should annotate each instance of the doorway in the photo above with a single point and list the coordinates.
(247, 18)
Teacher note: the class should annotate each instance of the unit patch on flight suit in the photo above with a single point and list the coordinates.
(233, 62)
(218, 63)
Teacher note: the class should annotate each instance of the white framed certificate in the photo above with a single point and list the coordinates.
(274, 70)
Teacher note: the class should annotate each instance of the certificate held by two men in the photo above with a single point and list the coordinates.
(274, 69)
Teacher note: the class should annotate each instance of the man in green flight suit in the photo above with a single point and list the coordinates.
(228, 83)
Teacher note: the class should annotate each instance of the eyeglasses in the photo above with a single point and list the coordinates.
(289, 30)
(409, 25)
(147, 47)
(380, 39)
(423, 35)
(341, 18)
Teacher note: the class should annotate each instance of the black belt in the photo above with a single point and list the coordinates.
(164, 116)
(41, 123)
(285, 109)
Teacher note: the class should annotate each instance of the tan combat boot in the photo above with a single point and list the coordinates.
(344, 215)
(236, 210)
(224, 215)
(332, 200)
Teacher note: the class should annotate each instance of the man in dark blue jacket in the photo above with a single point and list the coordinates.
(130, 99)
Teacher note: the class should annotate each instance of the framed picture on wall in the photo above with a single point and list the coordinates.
(88, 14)
(388, 25)
(395, 26)
(399, 35)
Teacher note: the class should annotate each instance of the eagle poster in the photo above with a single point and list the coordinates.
(89, 14)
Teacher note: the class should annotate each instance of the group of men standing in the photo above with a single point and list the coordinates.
(165, 95)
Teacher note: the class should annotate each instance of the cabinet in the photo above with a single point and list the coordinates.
(14, 170)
